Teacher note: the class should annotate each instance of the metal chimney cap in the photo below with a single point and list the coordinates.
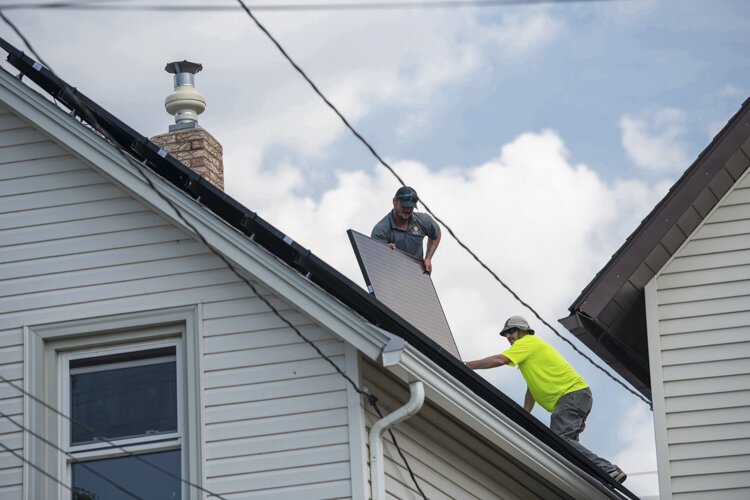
(185, 103)
(183, 66)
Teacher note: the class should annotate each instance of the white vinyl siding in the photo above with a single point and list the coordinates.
(11, 404)
(449, 461)
(276, 413)
(703, 315)
(75, 246)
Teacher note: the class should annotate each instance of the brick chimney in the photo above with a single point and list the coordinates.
(186, 140)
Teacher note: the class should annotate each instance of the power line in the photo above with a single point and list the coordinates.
(296, 7)
(401, 454)
(426, 207)
(21, 36)
(71, 456)
(34, 466)
(105, 439)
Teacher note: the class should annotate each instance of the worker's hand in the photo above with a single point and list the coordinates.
(427, 263)
(392, 246)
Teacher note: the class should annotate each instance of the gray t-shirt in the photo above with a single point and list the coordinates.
(409, 240)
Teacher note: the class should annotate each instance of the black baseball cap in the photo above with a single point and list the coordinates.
(407, 196)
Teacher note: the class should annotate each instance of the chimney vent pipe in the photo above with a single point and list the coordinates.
(185, 103)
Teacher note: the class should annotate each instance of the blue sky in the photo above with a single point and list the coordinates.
(542, 134)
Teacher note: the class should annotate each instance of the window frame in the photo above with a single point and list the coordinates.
(103, 449)
(48, 349)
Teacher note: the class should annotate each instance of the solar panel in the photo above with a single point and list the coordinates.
(398, 280)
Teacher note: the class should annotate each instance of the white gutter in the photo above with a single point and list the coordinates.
(377, 470)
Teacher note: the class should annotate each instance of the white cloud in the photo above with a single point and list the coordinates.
(360, 61)
(543, 224)
(656, 140)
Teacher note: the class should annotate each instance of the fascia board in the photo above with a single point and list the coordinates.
(474, 412)
(251, 260)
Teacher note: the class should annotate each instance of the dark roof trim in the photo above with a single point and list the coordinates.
(668, 213)
(609, 314)
(293, 254)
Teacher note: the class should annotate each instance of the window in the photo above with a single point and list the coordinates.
(124, 408)
(129, 381)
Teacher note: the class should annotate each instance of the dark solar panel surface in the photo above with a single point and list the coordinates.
(399, 281)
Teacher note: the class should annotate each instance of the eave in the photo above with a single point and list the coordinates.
(609, 314)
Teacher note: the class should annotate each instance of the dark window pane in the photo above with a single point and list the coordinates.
(129, 474)
(124, 402)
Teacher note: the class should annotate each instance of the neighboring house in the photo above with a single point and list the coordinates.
(671, 313)
(114, 312)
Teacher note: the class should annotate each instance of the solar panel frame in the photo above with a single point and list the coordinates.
(398, 280)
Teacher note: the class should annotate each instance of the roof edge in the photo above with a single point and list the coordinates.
(693, 179)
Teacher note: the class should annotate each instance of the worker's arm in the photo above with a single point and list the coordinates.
(379, 232)
(528, 401)
(488, 362)
(431, 247)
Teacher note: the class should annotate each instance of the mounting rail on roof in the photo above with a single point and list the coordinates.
(292, 253)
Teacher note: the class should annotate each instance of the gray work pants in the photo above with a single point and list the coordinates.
(569, 419)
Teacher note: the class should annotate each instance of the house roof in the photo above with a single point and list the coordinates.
(609, 315)
(296, 257)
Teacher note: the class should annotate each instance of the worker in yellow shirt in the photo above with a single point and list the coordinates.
(551, 382)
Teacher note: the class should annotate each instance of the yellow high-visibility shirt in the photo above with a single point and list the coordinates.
(546, 372)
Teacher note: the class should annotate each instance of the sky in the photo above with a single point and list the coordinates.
(541, 133)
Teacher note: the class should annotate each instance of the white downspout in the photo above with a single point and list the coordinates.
(377, 470)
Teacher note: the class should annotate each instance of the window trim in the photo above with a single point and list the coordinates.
(44, 346)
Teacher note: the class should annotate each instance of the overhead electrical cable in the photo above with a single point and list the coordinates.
(426, 207)
(292, 7)
(104, 439)
(22, 37)
(73, 458)
(369, 397)
(36, 467)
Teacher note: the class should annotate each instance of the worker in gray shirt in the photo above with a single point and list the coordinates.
(405, 229)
